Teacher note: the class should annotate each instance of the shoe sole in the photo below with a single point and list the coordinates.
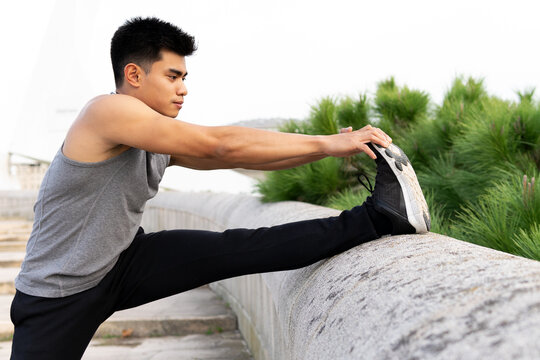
(415, 203)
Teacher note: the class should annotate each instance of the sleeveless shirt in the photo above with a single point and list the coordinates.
(86, 214)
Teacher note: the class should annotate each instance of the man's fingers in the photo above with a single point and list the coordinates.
(368, 151)
(370, 134)
(383, 134)
(381, 138)
(376, 135)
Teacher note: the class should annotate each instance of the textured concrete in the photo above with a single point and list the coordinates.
(226, 345)
(11, 259)
(15, 225)
(401, 297)
(18, 246)
(194, 312)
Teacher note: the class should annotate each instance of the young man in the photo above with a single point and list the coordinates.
(87, 257)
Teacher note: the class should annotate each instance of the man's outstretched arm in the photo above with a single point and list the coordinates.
(199, 164)
(125, 120)
(209, 164)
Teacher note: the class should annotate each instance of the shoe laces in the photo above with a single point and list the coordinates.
(370, 187)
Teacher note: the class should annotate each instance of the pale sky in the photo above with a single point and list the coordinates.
(259, 59)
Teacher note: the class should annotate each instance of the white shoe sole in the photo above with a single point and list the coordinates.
(415, 203)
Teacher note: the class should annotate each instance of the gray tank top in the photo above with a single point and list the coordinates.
(86, 214)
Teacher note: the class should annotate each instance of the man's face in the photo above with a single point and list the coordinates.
(162, 88)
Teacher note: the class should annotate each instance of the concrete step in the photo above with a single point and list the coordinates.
(11, 259)
(8, 225)
(14, 237)
(7, 278)
(16, 231)
(198, 311)
(18, 246)
(11, 231)
(227, 345)
(10, 234)
(6, 327)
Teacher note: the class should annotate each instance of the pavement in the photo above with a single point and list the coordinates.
(196, 324)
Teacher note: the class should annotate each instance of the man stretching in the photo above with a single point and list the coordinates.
(87, 257)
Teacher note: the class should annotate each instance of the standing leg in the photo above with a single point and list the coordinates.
(57, 328)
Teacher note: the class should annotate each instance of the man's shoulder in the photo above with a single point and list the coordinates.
(108, 110)
(112, 102)
(89, 138)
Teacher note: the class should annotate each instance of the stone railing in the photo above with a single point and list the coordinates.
(401, 297)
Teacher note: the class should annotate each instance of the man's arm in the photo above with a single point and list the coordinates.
(122, 119)
(199, 164)
(209, 164)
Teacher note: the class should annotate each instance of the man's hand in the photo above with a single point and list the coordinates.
(349, 142)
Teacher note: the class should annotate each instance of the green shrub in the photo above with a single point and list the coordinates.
(398, 108)
(323, 118)
(281, 185)
(320, 180)
(294, 126)
(489, 139)
(347, 198)
(440, 223)
(527, 127)
(448, 185)
(469, 153)
(528, 242)
(504, 217)
(312, 183)
(353, 113)
(430, 137)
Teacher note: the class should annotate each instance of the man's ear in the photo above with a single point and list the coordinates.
(133, 74)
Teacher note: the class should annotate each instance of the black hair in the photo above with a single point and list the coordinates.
(140, 41)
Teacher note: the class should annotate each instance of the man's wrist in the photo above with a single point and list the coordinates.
(323, 144)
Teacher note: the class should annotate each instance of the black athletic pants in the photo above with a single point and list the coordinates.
(157, 265)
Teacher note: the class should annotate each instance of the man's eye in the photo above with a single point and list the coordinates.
(183, 79)
(173, 77)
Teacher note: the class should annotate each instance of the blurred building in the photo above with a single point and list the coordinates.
(19, 172)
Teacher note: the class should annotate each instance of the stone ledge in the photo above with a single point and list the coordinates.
(403, 297)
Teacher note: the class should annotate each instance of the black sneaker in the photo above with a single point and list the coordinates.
(397, 193)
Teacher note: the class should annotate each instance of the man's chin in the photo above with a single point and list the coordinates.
(171, 114)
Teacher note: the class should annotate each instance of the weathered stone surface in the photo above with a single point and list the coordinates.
(419, 297)
(197, 311)
(225, 346)
(401, 297)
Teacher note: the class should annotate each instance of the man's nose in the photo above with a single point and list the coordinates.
(182, 89)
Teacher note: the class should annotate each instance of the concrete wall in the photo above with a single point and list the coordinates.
(17, 204)
(402, 297)
(29, 176)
